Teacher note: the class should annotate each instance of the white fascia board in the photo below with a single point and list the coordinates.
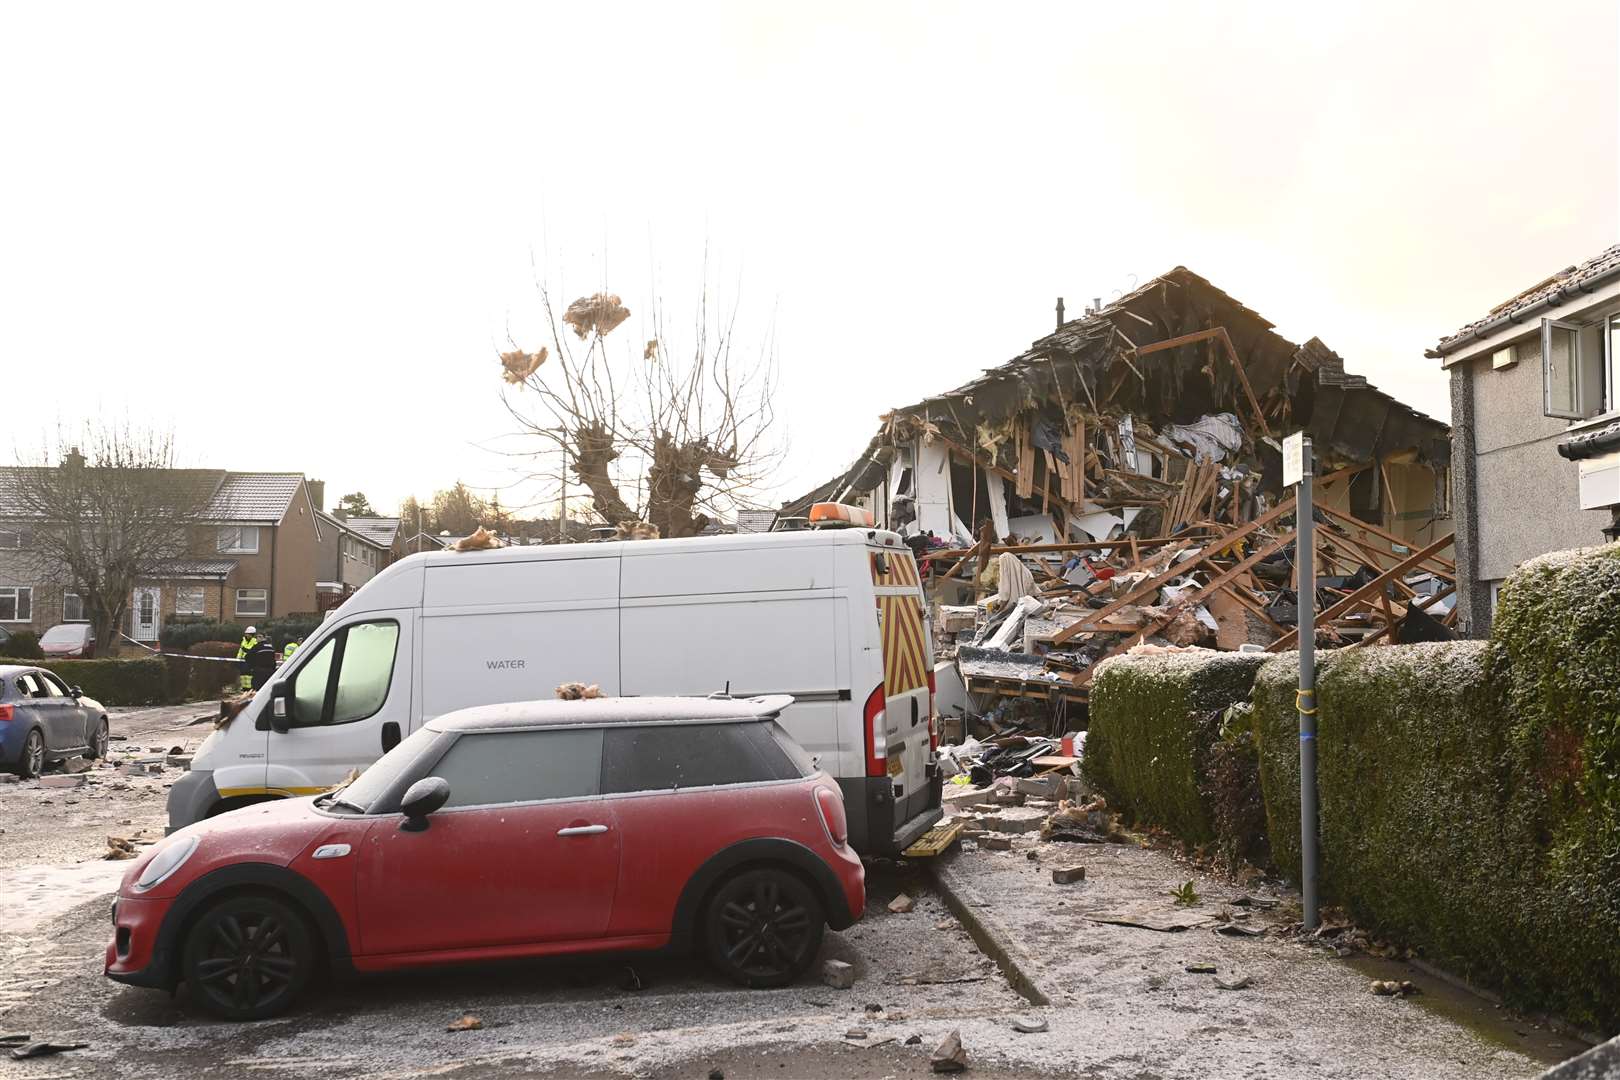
(1575, 309)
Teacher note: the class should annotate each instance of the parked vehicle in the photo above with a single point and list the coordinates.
(69, 641)
(42, 719)
(502, 832)
(833, 618)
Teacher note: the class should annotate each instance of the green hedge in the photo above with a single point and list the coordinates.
(22, 645)
(117, 682)
(166, 680)
(180, 636)
(1163, 747)
(1457, 814)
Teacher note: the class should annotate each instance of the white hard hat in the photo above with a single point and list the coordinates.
(252, 630)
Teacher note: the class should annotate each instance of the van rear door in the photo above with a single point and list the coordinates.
(907, 662)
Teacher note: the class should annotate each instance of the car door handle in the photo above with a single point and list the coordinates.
(582, 830)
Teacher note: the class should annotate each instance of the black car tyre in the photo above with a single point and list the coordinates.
(763, 927)
(248, 957)
(98, 740)
(32, 762)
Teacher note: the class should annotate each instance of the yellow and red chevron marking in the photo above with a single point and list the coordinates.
(902, 570)
(904, 654)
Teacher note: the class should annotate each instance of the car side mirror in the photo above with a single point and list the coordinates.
(281, 708)
(76, 692)
(423, 797)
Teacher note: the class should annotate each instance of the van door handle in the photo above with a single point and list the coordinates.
(582, 830)
(390, 736)
(913, 712)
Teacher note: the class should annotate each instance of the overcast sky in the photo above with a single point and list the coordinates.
(298, 234)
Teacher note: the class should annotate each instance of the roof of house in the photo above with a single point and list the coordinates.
(198, 568)
(1550, 292)
(1107, 359)
(436, 541)
(755, 520)
(379, 530)
(253, 497)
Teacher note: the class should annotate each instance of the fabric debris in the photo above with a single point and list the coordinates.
(598, 314)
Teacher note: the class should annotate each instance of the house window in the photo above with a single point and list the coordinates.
(16, 603)
(73, 608)
(1576, 366)
(239, 539)
(15, 540)
(252, 602)
(188, 600)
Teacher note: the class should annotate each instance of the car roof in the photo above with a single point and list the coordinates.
(7, 670)
(611, 711)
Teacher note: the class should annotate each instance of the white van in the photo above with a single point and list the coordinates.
(834, 617)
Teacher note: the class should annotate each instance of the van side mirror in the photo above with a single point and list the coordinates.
(281, 708)
(422, 798)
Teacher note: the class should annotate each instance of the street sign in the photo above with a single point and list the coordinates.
(1295, 464)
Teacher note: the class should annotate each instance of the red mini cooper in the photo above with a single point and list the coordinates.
(508, 831)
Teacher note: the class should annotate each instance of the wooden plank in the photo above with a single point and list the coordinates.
(1153, 584)
(936, 841)
(1357, 523)
(1359, 596)
(1054, 761)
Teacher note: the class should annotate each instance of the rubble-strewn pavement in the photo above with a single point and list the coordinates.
(1122, 1002)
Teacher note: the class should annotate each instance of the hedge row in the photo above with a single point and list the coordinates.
(180, 636)
(1164, 745)
(166, 680)
(1469, 792)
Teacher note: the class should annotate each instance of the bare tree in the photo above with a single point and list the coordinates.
(105, 513)
(670, 436)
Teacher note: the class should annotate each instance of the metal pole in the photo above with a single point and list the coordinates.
(1305, 594)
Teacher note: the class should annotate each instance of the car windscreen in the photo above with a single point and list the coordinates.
(374, 783)
(64, 635)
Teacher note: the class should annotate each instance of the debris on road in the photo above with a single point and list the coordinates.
(1242, 982)
(902, 904)
(1392, 988)
(838, 974)
(76, 765)
(1199, 969)
(1067, 875)
(1029, 1026)
(45, 1049)
(949, 1056)
(61, 781)
(855, 1033)
(467, 1022)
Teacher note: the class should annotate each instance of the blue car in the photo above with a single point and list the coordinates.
(42, 720)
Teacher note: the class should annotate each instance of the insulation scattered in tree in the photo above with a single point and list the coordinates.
(600, 313)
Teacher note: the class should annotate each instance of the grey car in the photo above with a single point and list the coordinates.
(42, 719)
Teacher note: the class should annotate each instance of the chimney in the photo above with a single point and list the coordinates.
(317, 493)
(1096, 304)
(1060, 313)
(74, 459)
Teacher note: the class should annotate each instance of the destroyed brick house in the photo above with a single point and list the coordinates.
(1119, 483)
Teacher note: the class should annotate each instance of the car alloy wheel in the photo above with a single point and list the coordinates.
(98, 742)
(764, 927)
(32, 762)
(248, 957)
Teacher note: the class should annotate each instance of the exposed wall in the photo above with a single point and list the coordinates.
(297, 560)
(1527, 499)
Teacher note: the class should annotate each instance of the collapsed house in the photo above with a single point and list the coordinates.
(1119, 484)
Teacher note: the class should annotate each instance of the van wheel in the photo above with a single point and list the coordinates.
(763, 927)
(248, 957)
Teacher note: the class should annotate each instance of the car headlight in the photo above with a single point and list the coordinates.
(165, 863)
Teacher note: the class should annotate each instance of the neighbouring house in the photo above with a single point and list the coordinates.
(420, 542)
(253, 555)
(1535, 428)
(352, 551)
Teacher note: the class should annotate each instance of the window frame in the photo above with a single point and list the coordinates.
(339, 642)
(264, 613)
(17, 592)
(241, 532)
(202, 600)
(1606, 326)
(24, 540)
(81, 617)
(601, 757)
